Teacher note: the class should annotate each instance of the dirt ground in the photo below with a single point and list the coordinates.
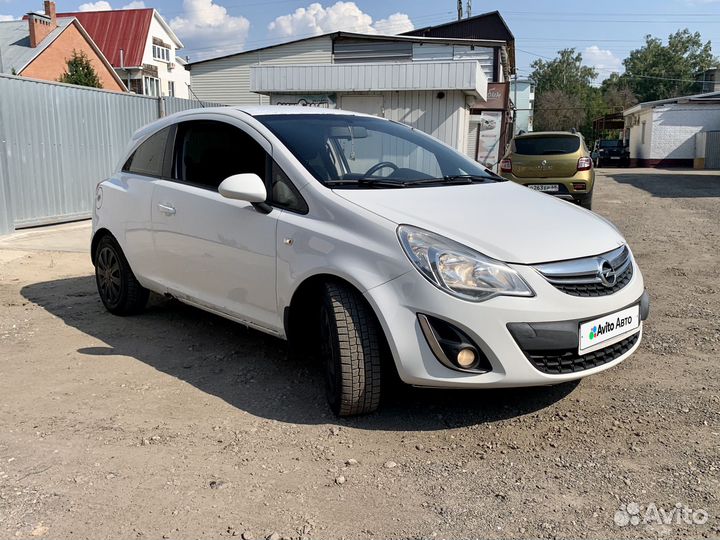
(178, 424)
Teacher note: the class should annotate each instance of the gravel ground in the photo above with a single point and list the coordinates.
(177, 424)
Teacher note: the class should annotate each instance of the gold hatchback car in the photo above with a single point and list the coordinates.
(555, 162)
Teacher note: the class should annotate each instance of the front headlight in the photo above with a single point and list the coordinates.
(459, 270)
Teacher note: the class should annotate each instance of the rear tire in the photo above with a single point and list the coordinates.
(119, 290)
(586, 203)
(351, 347)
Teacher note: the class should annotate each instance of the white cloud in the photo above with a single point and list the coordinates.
(4, 18)
(209, 27)
(397, 23)
(104, 5)
(316, 19)
(101, 5)
(604, 60)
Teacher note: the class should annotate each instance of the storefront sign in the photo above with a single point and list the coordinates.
(325, 101)
(489, 125)
(497, 94)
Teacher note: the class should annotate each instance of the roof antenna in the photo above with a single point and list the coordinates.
(469, 8)
(459, 9)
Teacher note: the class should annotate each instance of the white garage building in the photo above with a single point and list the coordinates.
(665, 133)
(427, 82)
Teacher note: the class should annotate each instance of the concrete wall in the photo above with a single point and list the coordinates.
(670, 133)
(52, 62)
(674, 128)
(228, 79)
(639, 147)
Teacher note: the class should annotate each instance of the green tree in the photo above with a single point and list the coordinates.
(616, 93)
(565, 94)
(80, 71)
(657, 71)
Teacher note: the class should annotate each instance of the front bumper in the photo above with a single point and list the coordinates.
(548, 321)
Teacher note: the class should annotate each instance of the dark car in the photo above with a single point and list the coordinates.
(611, 152)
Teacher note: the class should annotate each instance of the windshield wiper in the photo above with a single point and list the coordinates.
(453, 179)
(370, 182)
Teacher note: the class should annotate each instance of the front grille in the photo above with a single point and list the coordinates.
(583, 277)
(597, 289)
(559, 362)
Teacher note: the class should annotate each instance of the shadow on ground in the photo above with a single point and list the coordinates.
(252, 371)
(669, 185)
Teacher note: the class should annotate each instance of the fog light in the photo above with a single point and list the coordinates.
(466, 358)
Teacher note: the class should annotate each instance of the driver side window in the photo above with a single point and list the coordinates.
(207, 152)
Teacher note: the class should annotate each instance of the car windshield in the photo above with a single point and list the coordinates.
(610, 144)
(358, 151)
(547, 146)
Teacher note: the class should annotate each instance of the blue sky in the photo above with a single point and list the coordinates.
(604, 31)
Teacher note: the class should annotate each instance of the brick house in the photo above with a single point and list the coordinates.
(39, 47)
(141, 47)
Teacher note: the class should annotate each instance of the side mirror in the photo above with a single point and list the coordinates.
(244, 187)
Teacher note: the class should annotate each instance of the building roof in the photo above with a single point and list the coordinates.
(486, 26)
(15, 50)
(16, 53)
(489, 25)
(122, 29)
(710, 97)
(356, 35)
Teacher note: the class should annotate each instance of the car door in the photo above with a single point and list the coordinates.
(211, 251)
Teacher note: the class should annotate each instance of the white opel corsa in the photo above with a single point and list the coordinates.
(367, 243)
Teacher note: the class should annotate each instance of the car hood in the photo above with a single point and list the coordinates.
(505, 221)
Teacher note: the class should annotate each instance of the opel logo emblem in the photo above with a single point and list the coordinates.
(607, 274)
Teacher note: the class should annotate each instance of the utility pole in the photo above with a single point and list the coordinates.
(459, 4)
(468, 10)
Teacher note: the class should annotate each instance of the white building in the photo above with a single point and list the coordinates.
(664, 133)
(141, 47)
(432, 83)
(522, 93)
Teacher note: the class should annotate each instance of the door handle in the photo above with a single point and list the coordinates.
(166, 209)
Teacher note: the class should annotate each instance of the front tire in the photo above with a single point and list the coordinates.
(351, 346)
(119, 290)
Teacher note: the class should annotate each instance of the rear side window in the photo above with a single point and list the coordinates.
(148, 157)
(209, 151)
(547, 146)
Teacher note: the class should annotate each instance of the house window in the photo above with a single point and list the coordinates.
(642, 133)
(161, 53)
(152, 86)
(171, 88)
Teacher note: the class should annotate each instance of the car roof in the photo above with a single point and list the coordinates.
(264, 110)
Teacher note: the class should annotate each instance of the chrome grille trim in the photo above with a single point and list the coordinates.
(582, 277)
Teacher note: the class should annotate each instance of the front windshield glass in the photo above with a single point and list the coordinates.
(345, 150)
(610, 144)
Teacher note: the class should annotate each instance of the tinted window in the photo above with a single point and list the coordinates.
(546, 146)
(283, 192)
(208, 152)
(148, 158)
(345, 147)
(610, 144)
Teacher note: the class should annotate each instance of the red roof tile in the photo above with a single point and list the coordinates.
(125, 29)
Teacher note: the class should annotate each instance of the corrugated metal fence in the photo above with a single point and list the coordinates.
(58, 141)
(712, 150)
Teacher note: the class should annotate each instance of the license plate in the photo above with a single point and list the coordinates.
(544, 187)
(614, 157)
(602, 329)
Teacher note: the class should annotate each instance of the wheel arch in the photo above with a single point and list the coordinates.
(296, 321)
(99, 235)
